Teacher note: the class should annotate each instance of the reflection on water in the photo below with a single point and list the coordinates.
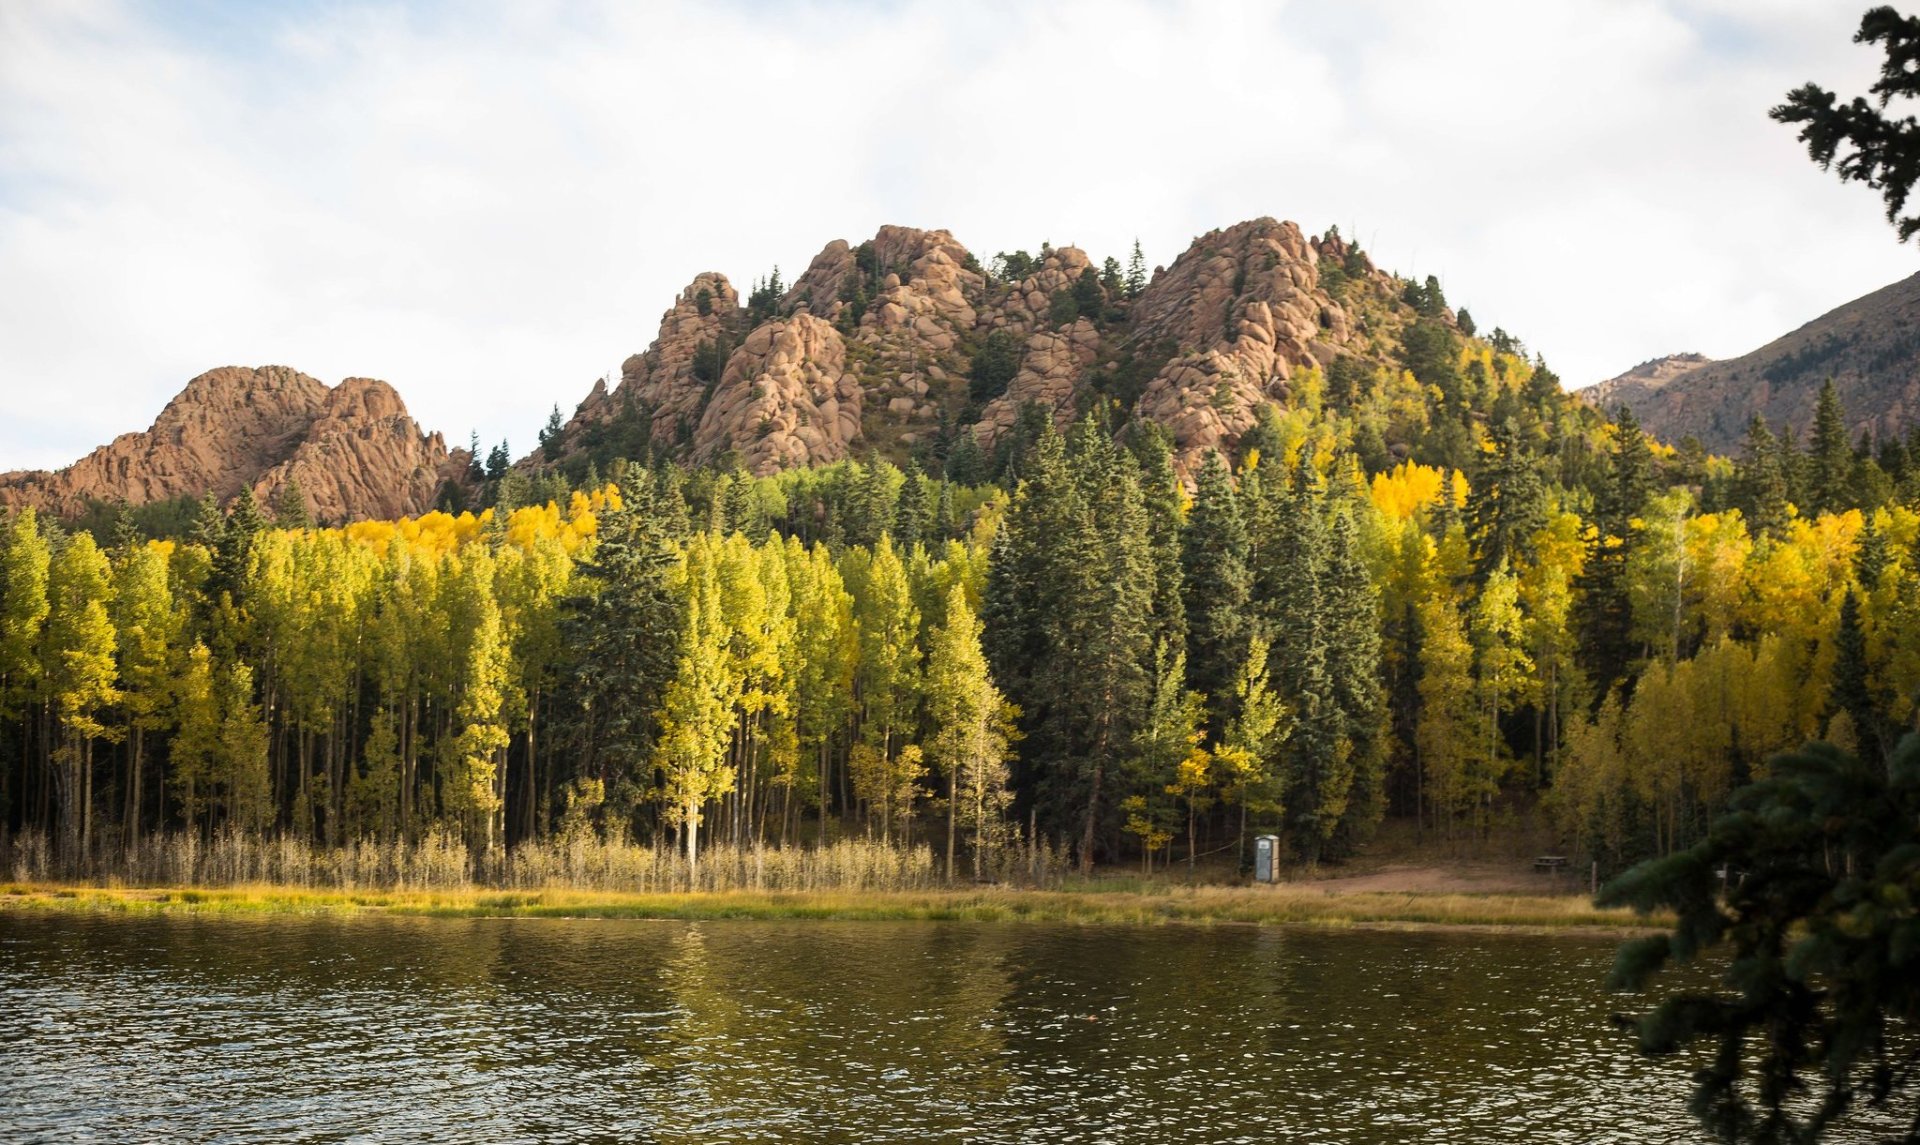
(559, 1030)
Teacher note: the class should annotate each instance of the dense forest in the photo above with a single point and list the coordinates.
(1430, 586)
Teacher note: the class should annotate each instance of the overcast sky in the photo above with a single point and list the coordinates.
(490, 206)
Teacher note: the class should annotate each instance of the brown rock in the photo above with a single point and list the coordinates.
(785, 399)
(1245, 305)
(354, 450)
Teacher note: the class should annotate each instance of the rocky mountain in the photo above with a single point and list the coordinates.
(352, 449)
(1870, 348)
(907, 337)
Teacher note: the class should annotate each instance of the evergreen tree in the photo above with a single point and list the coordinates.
(290, 507)
(967, 463)
(1217, 585)
(1164, 499)
(1851, 690)
(623, 626)
(1830, 457)
(1760, 480)
(553, 436)
(910, 512)
(499, 460)
(1506, 501)
(1136, 271)
(1808, 940)
(1353, 663)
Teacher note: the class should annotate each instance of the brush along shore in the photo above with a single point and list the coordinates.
(1295, 904)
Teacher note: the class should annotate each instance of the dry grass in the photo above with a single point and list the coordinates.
(1204, 905)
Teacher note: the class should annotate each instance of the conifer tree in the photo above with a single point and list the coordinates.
(1851, 691)
(1353, 662)
(1164, 498)
(910, 513)
(1760, 482)
(553, 436)
(1829, 457)
(623, 626)
(290, 507)
(1217, 584)
(1506, 502)
(1136, 271)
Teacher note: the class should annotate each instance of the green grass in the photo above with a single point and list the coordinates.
(1281, 905)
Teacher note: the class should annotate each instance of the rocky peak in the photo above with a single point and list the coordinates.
(1245, 307)
(353, 448)
(666, 377)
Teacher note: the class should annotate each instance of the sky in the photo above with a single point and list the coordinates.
(490, 205)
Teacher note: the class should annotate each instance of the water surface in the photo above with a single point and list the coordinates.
(385, 1029)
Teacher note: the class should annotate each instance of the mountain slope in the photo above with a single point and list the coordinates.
(1870, 348)
(880, 347)
(353, 450)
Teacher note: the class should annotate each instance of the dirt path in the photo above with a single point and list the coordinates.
(1512, 877)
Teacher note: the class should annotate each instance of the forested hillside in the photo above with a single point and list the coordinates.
(1422, 582)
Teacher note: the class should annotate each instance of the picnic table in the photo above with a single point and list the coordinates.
(1550, 863)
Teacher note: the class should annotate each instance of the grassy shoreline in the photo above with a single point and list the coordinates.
(1288, 904)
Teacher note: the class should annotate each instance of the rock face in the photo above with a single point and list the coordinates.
(362, 457)
(666, 378)
(1870, 348)
(785, 399)
(1244, 304)
(353, 450)
(871, 347)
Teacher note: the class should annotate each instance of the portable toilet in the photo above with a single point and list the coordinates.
(1266, 858)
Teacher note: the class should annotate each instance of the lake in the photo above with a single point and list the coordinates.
(333, 1029)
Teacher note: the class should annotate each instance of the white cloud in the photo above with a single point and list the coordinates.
(490, 206)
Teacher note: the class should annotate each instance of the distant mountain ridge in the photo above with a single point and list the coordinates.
(903, 345)
(1870, 347)
(352, 449)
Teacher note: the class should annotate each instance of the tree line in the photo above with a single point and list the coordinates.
(1131, 663)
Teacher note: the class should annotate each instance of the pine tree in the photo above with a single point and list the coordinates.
(1353, 662)
(1217, 585)
(1165, 501)
(910, 514)
(290, 506)
(1630, 476)
(1506, 502)
(1851, 690)
(1830, 457)
(1136, 271)
(623, 626)
(1760, 482)
(1805, 943)
(553, 436)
